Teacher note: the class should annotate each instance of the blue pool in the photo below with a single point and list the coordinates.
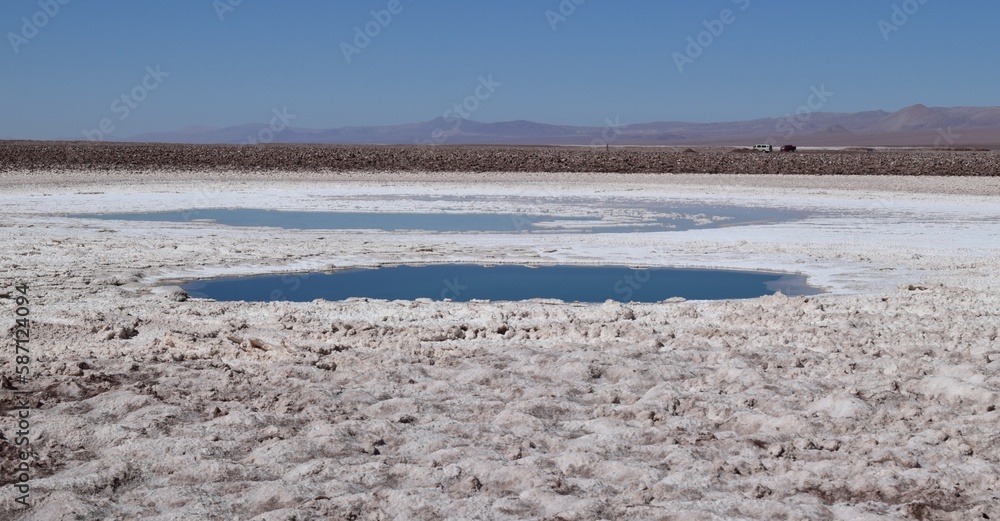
(464, 282)
(648, 218)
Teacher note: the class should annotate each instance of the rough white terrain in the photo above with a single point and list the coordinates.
(875, 400)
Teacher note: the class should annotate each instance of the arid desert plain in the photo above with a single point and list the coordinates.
(876, 399)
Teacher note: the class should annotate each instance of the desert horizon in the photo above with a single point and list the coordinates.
(916, 125)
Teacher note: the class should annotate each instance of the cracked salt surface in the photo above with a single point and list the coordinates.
(851, 241)
(877, 400)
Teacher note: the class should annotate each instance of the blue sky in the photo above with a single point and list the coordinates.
(228, 62)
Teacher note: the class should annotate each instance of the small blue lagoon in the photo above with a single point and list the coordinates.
(465, 282)
(650, 218)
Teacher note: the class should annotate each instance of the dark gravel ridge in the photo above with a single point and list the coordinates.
(61, 155)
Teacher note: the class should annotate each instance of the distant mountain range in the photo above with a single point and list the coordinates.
(916, 125)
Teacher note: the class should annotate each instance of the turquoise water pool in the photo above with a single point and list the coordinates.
(464, 282)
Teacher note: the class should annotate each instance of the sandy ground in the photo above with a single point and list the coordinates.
(876, 400)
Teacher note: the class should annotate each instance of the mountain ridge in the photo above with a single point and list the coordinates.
(916, 124)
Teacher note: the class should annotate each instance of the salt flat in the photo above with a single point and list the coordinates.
(876, 400)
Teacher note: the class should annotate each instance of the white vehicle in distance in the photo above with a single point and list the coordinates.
(764, 148)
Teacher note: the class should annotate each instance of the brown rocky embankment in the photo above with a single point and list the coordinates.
(51, 155)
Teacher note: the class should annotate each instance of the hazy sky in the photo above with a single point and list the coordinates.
(227, 62)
